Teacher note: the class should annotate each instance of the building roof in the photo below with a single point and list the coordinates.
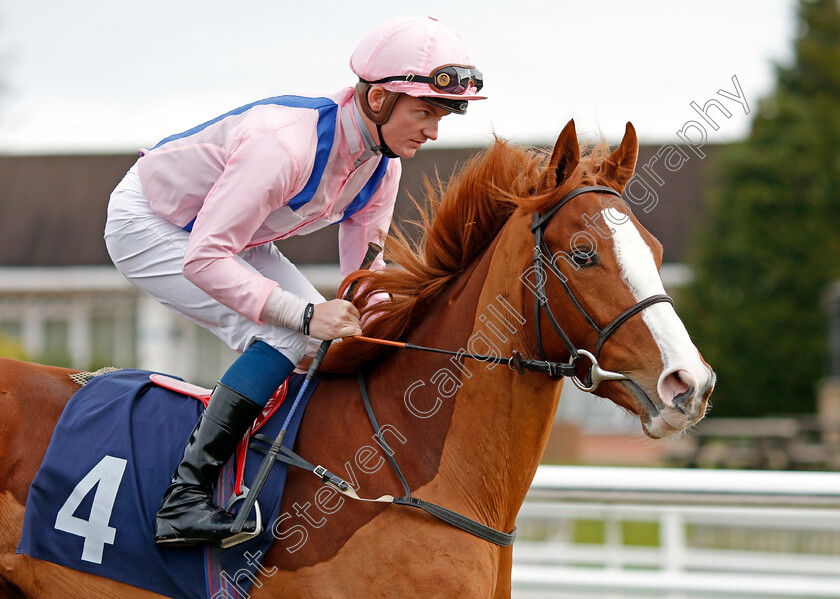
(52, 208)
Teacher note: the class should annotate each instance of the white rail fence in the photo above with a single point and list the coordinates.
(716, 533)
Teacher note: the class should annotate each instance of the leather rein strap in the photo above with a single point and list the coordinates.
(482, 531)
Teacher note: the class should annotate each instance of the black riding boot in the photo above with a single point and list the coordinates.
(187, 514)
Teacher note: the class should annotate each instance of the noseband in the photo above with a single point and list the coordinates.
(596, 374)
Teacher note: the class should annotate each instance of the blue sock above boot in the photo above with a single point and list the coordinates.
(258, 372)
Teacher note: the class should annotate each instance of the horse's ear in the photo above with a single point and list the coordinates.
(621, 164)
(564, 158)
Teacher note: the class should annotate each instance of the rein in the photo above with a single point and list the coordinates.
(515, 362)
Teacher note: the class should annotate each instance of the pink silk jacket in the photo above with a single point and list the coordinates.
(276, 168)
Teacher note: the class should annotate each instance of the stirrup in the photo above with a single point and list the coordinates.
(243, 536)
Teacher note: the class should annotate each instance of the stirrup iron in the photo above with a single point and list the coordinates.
(243, 536)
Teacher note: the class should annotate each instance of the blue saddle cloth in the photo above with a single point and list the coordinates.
(92, 504)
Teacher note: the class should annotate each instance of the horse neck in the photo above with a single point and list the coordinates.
(500, 420)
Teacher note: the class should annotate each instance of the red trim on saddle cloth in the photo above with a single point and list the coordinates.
(182, 387)
(203, 395)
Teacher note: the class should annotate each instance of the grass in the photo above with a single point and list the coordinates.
(640, 534)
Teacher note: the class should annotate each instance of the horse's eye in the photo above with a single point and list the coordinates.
(584, 259)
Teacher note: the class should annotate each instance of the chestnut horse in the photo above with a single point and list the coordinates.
(467, 434)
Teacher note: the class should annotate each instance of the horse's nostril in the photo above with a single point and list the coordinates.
(682, 399)
(676, 389)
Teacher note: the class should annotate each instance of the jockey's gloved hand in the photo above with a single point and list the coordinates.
(334, 319)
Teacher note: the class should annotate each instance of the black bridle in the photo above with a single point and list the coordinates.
(542, 252)
(516, 361)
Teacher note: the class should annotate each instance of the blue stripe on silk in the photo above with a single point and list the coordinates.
(289, 101)
(327, 114)
(361, 200)
(326, 136)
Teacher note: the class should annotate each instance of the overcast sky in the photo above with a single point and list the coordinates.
(117, 75)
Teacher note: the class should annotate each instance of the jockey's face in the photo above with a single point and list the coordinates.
(412, 123)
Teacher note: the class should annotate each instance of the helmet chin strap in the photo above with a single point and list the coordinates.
(383, 147)
(378, 117)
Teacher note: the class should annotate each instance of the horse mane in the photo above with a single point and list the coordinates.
(457, 221)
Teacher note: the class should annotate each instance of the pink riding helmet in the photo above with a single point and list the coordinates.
(421, 57)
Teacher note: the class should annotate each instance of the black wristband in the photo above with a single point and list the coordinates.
(307, 317)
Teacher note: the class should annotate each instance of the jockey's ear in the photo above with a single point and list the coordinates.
(564, 159)
(621, 164)
(376, 97)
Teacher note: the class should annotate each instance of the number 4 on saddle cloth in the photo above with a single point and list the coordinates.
(91, 507)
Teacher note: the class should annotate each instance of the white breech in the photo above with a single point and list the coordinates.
(149, 251)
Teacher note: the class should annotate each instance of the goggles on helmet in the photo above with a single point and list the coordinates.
(449, 79)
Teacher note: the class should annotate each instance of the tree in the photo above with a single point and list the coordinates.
(11, 348)
(771, 241)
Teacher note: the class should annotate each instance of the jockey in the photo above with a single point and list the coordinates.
(193, 221)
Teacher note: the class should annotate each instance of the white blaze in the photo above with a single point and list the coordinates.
(638, 270)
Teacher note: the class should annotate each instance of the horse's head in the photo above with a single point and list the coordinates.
(596, 274)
